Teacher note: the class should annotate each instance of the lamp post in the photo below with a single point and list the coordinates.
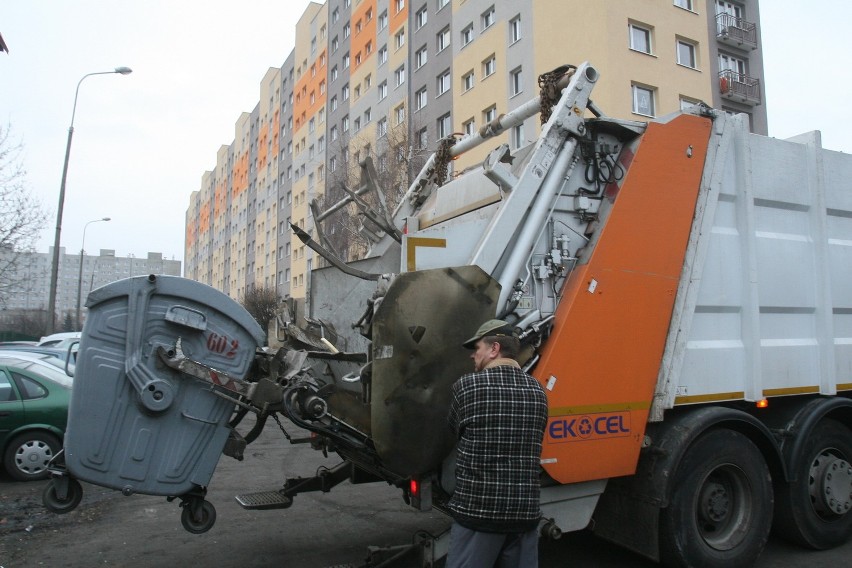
(80, 276)
(54, 268)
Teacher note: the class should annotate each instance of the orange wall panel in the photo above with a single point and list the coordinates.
(604, 354)
(367, 34)
(398, 19)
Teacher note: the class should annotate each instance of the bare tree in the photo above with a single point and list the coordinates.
(396, 160)
(21, 215)
(261, 303)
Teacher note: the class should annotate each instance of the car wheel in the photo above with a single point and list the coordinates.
(28, 454)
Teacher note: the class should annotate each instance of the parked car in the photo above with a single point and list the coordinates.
(60, 355)
(34, 396)
(63, 339)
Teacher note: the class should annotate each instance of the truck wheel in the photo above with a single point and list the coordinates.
(721, 507)
(816, 510)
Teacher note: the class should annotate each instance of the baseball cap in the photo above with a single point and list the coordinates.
(493, 327)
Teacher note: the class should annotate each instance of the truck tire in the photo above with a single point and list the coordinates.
(815, 510)
(720, 511)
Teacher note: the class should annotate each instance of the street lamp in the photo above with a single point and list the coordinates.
(80, 277)
(54, 268)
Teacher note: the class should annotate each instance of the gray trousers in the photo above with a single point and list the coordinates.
(474, 549)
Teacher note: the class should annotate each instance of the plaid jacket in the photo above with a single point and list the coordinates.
(498, 416)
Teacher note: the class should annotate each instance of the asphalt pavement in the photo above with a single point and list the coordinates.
(320, 530)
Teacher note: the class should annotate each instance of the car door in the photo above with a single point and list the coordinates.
(11, 407)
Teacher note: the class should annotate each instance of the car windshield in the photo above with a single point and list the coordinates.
(40, 368)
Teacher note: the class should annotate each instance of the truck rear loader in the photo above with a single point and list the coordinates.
(682, 289)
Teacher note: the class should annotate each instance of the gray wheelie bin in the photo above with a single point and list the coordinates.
(136, 424)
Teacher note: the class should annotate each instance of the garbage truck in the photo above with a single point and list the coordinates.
(682, 290)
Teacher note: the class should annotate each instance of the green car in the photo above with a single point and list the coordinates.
(34, 397)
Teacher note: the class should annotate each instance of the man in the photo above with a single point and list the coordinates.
(498, 414)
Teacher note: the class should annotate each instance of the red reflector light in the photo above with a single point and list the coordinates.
(763, 403)
(414, 486)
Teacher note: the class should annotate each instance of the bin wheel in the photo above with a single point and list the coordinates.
(203, 518)
(51, 500)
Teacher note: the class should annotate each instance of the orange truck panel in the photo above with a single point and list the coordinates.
(621, 304)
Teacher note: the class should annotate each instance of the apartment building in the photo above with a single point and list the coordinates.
(28, 298)
(387, 79)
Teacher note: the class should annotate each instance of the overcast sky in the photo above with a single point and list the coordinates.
(142, 141)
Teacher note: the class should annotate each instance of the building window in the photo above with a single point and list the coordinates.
(489, 114)
(685, 4)
(382, 127)
(399, 75)
(346, 61)
(516, 82)
(686, 102)
(518, 139)
(443, 38)
(444, 82)
(332, 164)
(334, 73)
(399, 38)
(347, 29)
(686, 54)
(488, 18)
(345, 124)
(333, 133)
(356, 124)
(357, 92)
(515, 29)
(467, 35)
(469, 127)
(640, 38)
(467, 81)
(420, 99)
(643, 100)
(420, 57)
(444, 126)
(383, 20)
(420, 18)
(399, 5)
(334, 44)
(333, 103)
(335, 15)
(383, 54)
(731, 63)
(368, 116)
(400, 114)
(489, 66)
(442, 3)
(423, 138)
(383, 90)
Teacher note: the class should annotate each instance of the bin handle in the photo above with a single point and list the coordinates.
(155, 394)
(187, 317)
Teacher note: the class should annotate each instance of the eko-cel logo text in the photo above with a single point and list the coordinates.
(588, 427)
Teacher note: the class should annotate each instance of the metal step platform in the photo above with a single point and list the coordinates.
(263, 500)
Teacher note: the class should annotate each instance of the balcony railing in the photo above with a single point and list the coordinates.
(736, 31)
(738, 87)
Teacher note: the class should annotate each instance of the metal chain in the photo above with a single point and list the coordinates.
(286, 435)
(549, 93)
(443, 156)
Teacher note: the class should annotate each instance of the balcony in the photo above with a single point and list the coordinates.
(739, 87)
(736, 31)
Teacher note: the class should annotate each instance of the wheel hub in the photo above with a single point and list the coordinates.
(33, 456)
(715, 502)
(831, 485)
